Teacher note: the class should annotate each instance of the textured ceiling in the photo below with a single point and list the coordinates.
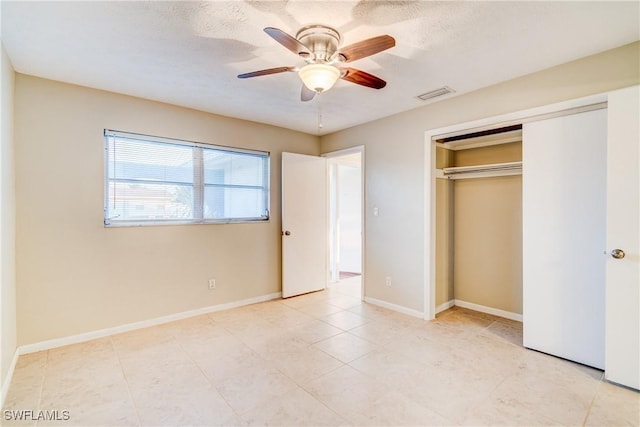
(189, 53)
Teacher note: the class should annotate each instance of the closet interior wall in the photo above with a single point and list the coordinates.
(479, 231)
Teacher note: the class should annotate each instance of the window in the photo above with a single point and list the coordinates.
(152, 180)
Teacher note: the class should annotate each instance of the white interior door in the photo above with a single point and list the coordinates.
(304, 224)
(564, 230)
(622, 357)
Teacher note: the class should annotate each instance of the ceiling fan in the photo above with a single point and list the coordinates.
(318, 46)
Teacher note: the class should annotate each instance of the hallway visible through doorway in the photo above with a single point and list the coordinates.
(345, 215)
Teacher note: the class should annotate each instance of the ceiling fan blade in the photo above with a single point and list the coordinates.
(288, 41)
(266, 72)
(366, 48)
(306, 94)
(362, 78)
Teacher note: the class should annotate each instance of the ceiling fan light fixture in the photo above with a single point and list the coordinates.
(319, 77)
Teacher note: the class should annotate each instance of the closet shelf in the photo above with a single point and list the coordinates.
(481, 171)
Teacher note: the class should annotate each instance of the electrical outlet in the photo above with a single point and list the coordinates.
(212, 283)
(388, 281)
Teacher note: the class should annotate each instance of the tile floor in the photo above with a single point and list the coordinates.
(319, 359)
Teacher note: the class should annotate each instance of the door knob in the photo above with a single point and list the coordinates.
(617, 253)
(286, 233)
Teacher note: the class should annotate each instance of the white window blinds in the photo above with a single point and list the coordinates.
(152, 180)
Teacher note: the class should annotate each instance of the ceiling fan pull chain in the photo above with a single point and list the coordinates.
(320, 125)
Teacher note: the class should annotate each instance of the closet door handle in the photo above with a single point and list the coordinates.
(617, 253)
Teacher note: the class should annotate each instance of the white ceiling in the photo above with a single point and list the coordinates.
(189, 53)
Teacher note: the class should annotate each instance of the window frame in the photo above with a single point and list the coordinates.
(198, 185)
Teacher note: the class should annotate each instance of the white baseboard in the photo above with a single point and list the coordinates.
(445, 306)
(7, 380)
(395, 307)
(88, 336)
(489, 310)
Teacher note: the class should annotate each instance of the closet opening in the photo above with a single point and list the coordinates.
(478, 248)
(530, 247)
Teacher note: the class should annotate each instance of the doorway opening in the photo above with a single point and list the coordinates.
(346, 220)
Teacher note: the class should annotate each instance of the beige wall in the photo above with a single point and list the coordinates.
(487, 240)
(76, 276)
(395, 152)
(445, 209)
(501, 153)
(8, 340)
(479, 233)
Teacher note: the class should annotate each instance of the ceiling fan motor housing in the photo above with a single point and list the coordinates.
(322, 40)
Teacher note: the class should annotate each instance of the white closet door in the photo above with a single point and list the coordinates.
(623, 232)
(564, 228)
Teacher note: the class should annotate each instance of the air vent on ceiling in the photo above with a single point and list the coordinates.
(435, 93)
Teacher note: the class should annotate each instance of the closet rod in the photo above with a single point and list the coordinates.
(481, 171)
